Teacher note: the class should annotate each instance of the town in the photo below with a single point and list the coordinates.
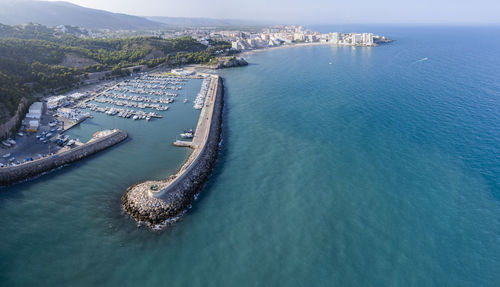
(280, 35)
(250, 39)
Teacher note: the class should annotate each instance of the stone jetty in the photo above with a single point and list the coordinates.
(100, 141)
(159, 202)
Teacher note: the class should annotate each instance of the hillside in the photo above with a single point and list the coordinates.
(47, 61)
(64, 13)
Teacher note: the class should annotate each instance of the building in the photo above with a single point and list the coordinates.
(367, 39)
(33, 126)
(356, 39)
(35, 111)
(335, 38)
(298, 37)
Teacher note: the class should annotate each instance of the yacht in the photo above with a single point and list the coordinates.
(186, 135)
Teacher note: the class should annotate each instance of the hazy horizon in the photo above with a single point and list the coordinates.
(453, 12)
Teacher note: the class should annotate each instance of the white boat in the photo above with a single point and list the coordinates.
(48, 135)
(135, 117)
(6, 144)
(6, 155)
(20, 134)
(186, 135)
(11, 141)
(71, 142)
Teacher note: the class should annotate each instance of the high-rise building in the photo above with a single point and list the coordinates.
(367, 39)
(335, 38)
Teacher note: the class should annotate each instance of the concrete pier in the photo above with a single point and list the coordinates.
(101, 141)
(157, 202)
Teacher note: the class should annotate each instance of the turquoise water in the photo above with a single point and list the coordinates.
(379, 169)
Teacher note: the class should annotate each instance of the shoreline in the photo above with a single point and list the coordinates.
(28, 170)
(159, 203)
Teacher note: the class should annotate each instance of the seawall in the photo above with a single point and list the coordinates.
(157, 202)
(12, 174)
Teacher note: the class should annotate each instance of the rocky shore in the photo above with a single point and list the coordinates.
(161, 202)
(13, 174)
(230, 63)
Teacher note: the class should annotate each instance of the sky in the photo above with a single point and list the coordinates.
(314, 11)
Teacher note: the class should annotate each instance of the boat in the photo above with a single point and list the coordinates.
(71, 142)
(186, 135)
(6, 144)
(135, 117)
(48, 135)
(185, 100)
(11, 141)
(6, 155)
(148, 118)
(20, 134)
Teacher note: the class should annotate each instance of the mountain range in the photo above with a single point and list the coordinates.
(54, 13)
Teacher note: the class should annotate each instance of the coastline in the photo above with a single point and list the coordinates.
(13, 174)
(158, 203)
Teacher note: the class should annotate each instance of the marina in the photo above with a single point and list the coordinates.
(145, 97)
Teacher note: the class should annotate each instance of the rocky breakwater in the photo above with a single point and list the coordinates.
(158, 203)
(100, 141)
(230, 63)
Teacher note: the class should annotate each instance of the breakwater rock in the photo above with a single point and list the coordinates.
(230, 63)
(159, 202)
(12, 174)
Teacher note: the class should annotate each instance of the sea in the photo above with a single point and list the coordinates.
(338, 166)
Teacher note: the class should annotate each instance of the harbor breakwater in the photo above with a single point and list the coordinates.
(160, 202)
(13, 174)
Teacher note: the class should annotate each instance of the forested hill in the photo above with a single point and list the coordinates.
(38, 56)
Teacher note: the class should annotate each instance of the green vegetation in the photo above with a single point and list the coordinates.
(32, 58)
